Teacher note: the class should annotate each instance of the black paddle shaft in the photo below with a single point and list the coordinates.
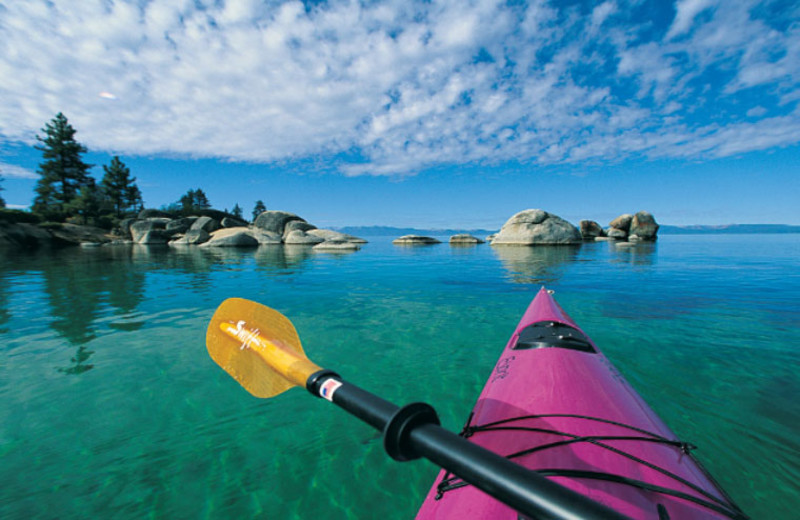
(413, 431)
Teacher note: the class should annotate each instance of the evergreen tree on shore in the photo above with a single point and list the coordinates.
(258, 209)
(2, 200)
(120, 188)
(63, 171)
(192, 201)
(236, 211)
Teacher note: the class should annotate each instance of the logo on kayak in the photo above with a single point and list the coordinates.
(503, 367)
(328, 388)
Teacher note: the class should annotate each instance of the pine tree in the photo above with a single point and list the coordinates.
(134, 198)
(192, 201)
(187, 202)
(236, 211)
(2, 200)
(63, 171)
(118, 186)
(258, 209)
(86, 204)
(200, 199)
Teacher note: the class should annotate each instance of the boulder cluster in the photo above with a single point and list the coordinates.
(218, 229)
(538, 227)
(632, 228)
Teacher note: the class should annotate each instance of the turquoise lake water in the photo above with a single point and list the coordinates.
(110, 406)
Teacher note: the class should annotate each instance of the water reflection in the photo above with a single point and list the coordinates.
(634, 253)
(536, 264)
(287, 259)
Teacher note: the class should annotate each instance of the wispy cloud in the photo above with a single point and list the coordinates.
(12, 171)
(403, 85)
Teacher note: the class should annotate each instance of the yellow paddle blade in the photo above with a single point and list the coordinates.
(258, 346)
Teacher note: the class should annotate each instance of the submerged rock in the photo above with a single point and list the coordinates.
(415, 240)
(537, 227)
(336, 245)
(464, 239)
(328, 234)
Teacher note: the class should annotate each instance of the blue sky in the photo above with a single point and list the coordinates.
(433, 114)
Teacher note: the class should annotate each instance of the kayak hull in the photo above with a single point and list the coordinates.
(556, 405)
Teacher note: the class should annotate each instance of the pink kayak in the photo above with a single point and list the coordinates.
(556, 405)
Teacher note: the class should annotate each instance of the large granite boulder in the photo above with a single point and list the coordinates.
(266, 237)
(328, 234)
(297, 225)
(644, 226)
(192, 237)
(23, 235)
(415, 240)
(231, 237)
(298, 237)
(180, 225)
(616, 233)
(275, 221)
(537, 227)
(622, 222)
(591, 230)
(207, 224)
(231, 222)
(464, 239)
(124, 228)
(150, 231)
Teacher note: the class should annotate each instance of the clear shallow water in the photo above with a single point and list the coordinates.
(111, 407)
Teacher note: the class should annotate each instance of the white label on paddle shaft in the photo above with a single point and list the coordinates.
(328, 388)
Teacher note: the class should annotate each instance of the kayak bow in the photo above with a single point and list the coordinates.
(555, 404)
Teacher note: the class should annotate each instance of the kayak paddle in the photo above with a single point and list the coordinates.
(259, 347)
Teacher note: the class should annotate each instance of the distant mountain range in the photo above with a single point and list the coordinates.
(730, 229)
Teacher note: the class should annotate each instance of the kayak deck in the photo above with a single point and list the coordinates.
(556, 405)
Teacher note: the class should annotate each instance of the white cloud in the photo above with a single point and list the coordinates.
(401, 85)
(686, 11)
(11, 171)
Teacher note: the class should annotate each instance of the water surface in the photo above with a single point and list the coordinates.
(111, 407)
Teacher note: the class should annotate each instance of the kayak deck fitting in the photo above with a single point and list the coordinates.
(556, 405)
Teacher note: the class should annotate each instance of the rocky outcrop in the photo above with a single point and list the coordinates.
(25, 235)
(464, 239)
(207, 224)
(298, 237)
(231, 237)
(230, 222)
(537, 227)
(266, 237)
(275, 221)
(150, 231)
(639, 227)
(591, 230)
(644, 227)
(415, 240)
(191, 238)
(180, 225)
(329, 235)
